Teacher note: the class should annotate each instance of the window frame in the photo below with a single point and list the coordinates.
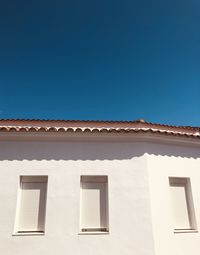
(186, 183)
(29, 179)
(94, 179)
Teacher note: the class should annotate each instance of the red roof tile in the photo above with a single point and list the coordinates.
(92, 126)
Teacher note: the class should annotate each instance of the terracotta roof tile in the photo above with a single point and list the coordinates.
(87, 126)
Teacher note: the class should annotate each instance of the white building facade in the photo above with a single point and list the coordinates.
(88, 187)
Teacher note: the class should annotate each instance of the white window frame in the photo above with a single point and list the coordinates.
(185, 182)
(29, 179)
(95, 179)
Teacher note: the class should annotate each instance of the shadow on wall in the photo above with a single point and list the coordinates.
(171, 150)
(69, 151)
(89, 150)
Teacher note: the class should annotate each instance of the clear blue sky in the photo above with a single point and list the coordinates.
(108, 59)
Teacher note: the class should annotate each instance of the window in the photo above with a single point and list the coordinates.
(94, 204)
(31, 204)
(182, 204)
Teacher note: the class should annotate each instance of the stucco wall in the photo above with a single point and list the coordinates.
(64, 162)
(164, 161)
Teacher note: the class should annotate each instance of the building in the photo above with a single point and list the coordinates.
(96, 188)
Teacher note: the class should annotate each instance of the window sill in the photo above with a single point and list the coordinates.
(94, 233)
(28, 234)
(177, 231)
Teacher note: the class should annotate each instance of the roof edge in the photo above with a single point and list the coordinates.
(101, 121)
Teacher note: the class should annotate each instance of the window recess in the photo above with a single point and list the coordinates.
(94, 204)
(31, 206)
(182, 204)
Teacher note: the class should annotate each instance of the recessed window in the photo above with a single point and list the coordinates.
(182, 204)
(31, 204)
(94, 204)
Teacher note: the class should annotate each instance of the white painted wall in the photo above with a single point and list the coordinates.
(164, 161)
(130, 220)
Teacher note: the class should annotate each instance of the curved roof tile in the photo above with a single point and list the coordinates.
(88, 126)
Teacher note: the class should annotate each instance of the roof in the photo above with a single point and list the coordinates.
(93, 126)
